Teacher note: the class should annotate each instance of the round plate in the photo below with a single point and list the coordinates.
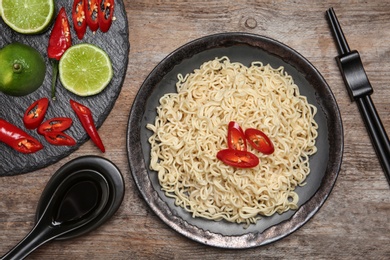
(244, 48)
(115, 42)
(102, 168)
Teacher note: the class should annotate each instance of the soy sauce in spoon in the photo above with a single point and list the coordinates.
(78, 201)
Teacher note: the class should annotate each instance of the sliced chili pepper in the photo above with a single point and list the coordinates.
(91, 12)
(105, 15)
(17, 138)
(35, 113)
(56, 124)
(59, 138)
(78, 17)
(237, 158)
(236, 137)
(60, 40)
(260, 141)
(85, 116)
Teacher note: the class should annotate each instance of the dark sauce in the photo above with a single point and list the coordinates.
(77, 202)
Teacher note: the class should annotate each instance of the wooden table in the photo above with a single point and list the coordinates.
(354, 221)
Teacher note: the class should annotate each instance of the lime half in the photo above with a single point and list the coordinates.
(27, 16)
(85, 69)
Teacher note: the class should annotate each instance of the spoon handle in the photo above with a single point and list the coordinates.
(39, 235)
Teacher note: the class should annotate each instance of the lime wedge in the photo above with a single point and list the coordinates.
(85, 69)
(27, 16)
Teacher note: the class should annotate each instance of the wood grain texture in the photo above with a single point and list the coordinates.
(354, 222)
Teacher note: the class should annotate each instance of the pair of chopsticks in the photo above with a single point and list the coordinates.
(360, 89)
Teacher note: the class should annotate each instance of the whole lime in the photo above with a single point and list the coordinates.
(22, 69)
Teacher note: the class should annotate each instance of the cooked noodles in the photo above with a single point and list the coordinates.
(191, 127)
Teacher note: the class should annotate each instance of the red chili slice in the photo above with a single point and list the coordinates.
(79, 18)
(237, 158)
(18, 139)
(91, 14)
(59, 138)
(56, 124)
(106, 13)
(35, 113)
(260, 141)
(236, 137)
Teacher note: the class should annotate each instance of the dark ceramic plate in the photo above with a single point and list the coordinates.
(244, 48)
(115, 42)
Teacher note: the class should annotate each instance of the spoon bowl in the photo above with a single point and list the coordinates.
(94, 163)
(77, 200)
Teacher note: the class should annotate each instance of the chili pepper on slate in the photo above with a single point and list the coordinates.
(17, 138)
(56, 124)
(85, 116)
(59, 138)
(91, 14)
(35, 113)
(60, 40)
(78, 17)
(105, 14)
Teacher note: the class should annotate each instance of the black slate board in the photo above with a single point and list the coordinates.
(115, 42)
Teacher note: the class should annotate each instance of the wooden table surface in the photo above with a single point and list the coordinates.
(353, 223)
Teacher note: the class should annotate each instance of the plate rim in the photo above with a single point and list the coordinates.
(248, 240)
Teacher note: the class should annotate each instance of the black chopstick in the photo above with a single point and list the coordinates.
(338, 32)
(377, 132)
(360, 89)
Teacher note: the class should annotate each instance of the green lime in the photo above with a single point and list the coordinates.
(27, 16)
(85, 69)
(22, 69)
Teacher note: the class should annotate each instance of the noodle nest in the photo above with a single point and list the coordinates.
(191, 127)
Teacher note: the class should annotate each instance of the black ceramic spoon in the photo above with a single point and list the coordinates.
(76, 202)
(80, 196)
